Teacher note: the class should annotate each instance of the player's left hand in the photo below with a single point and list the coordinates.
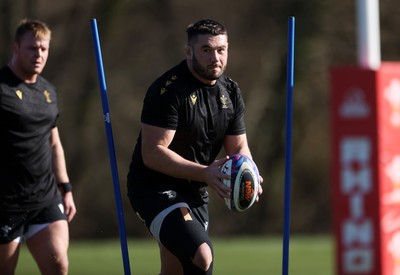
(69, 206)
(260, 190)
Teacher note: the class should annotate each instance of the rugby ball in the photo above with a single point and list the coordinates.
(244, 182)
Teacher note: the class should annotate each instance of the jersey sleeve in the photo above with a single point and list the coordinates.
(237, 124)
(160, 107)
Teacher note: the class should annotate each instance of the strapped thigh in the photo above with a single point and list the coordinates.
(182, 234)
(155, 225)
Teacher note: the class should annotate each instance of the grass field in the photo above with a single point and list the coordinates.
(233, 256)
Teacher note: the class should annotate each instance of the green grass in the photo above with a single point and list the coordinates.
(233, 256)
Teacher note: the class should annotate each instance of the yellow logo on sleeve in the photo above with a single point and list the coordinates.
(19, 94)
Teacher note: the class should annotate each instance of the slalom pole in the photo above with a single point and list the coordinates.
(288, 153)
(111, 150)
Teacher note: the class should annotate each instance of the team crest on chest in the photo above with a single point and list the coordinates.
(224, 101)
(19, 94)
(193, 98)
(47, 96)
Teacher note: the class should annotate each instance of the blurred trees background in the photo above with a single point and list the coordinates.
(141, 39)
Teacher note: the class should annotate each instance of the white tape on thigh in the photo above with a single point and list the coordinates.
(155, 225)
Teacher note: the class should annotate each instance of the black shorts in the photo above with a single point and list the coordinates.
(179, 223)
(20, 225)
(154, 208)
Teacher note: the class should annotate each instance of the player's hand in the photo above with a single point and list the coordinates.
(260, 190)
(213, 176)
(69, 206)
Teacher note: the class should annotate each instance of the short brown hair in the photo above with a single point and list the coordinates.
(39, 29)
(205, 26)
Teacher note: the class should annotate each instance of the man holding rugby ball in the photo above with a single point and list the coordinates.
(189, 114)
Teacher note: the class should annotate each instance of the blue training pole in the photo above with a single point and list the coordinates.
(288, 153)
(111, 150)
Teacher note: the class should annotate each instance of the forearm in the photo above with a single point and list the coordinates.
(244, 151)
(166, 161)
(237, 145)
(59, 164)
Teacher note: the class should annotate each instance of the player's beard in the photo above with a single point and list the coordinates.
(204, 72)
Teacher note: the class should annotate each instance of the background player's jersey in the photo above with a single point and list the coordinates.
(28, 112)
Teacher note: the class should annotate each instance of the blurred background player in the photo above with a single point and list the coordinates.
(36, 201)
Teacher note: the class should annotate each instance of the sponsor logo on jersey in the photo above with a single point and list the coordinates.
(5, 229)
(193, 98)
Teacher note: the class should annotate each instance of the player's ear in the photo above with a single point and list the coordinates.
(189, 52)
(14, 47)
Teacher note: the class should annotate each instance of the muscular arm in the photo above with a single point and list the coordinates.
(157, 156)
(60, 171)
(59, 165)
(237, 145)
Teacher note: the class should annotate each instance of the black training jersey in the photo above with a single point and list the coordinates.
(28, 112)
(201, 115)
